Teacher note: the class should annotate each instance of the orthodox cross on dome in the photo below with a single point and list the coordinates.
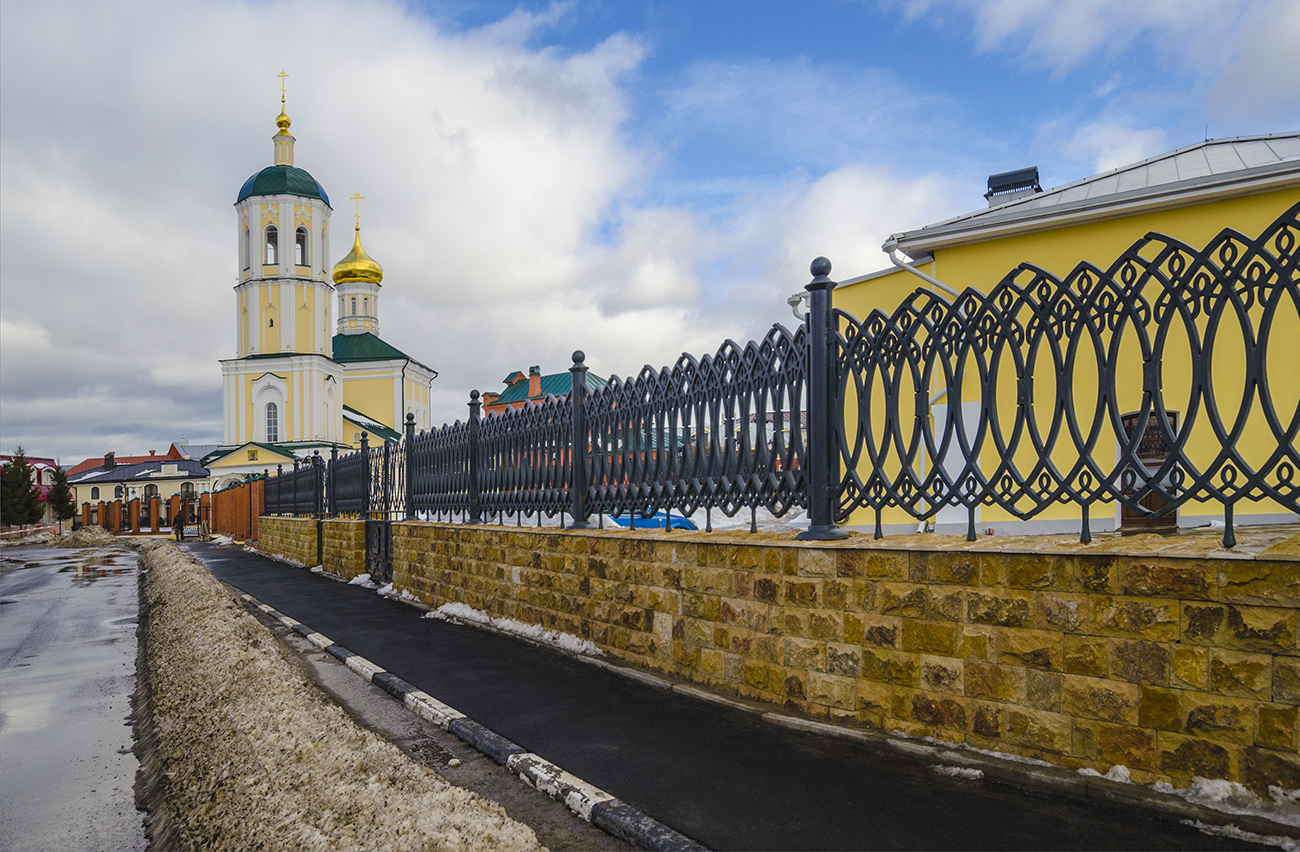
(357, 198)
(282, 75)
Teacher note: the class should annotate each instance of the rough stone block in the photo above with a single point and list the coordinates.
(1183, 757)
(1039, 649)
(1038, 571)
(940, 711)
(1001, 608)
(1104, 700)
(1162, 708)
(1167, 578)
(1086, 735)
(959, 568)
(1286, 680)
(1043, 690)
(844, 659)
(837, 594)
(1061, 611)
(993, 682)
(1085, 655)
(1275, 727)
(974, 643)
(901, 599)
(1122, 745)
(816, 562)
(874, 701)
(827, 625)
(1219, 719)
(1190, 667)
(801, 593)
(944, 602)
(1264, 768)
(1041, 730)
(893, 667)
(1137, 618)
(767, 589)
(1139, 661)
(852, 628)
(1096, 574)
(1260, 582)
(986, 719)
(942, 674)
(930, 637)
(881, 631)
(885, 564)
(833, 691)
(1241, 674)
(849, 563)
(805, 654)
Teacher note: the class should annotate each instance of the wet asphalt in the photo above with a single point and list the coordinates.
(67, 670)
(718, 775)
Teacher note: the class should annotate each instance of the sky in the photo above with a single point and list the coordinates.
(635, 180)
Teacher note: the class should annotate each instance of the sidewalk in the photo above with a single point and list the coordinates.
(718, 775)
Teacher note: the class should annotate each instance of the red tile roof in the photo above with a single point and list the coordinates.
(98, 461)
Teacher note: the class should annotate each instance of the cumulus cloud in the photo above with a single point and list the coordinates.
(504, 198)
(1109, 146)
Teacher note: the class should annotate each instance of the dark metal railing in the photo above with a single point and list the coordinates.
(1021, 398)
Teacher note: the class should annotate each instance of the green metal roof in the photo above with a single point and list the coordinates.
(364, 347)
(556, 384)
(282, 180)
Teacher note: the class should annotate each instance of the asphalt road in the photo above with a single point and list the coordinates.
(715, 774)
(67, 669)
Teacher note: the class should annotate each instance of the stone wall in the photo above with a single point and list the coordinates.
(1169, 656)
(292, 538)
(345, 547)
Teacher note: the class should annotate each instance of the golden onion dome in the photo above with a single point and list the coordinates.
(358, 266)
(282, 120)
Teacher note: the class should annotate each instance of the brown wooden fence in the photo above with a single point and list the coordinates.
(235, 510)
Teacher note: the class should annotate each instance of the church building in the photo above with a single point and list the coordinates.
(301, 382)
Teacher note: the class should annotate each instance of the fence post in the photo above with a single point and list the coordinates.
(578, 444)
(474, 405)
(821, 446)
(318, 466)
(408, 458)
(365, 473)
(332, 485)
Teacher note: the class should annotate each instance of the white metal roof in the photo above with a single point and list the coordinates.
(1207, 169)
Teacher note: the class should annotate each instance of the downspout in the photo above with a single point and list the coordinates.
(891, 248)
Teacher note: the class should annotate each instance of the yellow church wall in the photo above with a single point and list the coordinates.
(983, 265)
(370, 394)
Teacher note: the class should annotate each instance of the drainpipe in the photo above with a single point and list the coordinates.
(891, 248)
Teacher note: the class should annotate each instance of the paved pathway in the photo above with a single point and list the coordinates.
(718, 775)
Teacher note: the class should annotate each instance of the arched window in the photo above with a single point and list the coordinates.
(94, 493)
(248, 250)
(365, 306)
(272, 423)
(150, 492)
(187, 487)
(300, 247)
(117, 492)
(272, 239)
(354, 306)
(270, 322)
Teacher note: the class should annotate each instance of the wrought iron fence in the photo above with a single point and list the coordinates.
(1018, 398)
(298, 492)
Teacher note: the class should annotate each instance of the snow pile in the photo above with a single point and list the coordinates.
(247, 753)
(1288, 844)
(564, 641)
(222, 539)
(960, 772)
(94, 536)
(35, 538)
(364, 581)
(389, 592)
(1115, 773)
(317, 569)
(1232, 798)
(285, 559)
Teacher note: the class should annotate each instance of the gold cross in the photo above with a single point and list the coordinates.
(357, 198)
(282, 75)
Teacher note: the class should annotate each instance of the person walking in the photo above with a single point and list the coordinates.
(178, 524)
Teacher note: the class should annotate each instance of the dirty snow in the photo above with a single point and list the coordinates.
(1115, 773)
(222, 539)
(92, 536)
(389, 591)
(1232, 798)
(1289, 844)
(960, 772)
(249, 754)
(364, 581)
(564, 641)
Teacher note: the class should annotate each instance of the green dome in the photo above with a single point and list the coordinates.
(282, 180)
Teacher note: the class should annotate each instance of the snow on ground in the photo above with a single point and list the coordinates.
(1115, 773)
(564, 641)
(1232, 798)
(960, 772)
(249, 754)
(1289, 844)
(222, 539)
(364, 581)
(93, 536)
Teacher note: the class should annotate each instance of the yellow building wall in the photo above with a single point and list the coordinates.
(982, 265)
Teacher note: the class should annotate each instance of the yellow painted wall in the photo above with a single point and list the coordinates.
(982, 265)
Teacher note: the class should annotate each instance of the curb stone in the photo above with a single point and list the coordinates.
(587, 801)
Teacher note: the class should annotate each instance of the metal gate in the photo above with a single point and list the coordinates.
(379, 550)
